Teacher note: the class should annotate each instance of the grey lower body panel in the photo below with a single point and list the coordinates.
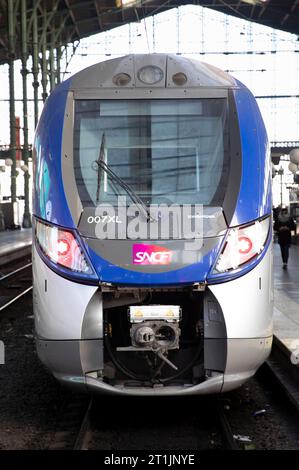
(78, 364)
(70, 360)
(244, 357)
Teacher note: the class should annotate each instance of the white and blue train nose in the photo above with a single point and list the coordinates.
(152, 257)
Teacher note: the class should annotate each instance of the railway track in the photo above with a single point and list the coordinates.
(227, 433)
(85, 430)
(90, 431)
(14, 285)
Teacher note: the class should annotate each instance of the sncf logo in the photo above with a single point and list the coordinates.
(151, 254)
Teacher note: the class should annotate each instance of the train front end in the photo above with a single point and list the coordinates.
(152, 257)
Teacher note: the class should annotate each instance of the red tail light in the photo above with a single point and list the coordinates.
(242, 244)
(61, 247)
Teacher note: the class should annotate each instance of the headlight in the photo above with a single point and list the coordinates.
(61, 247)
(242, 245)
(150, 75)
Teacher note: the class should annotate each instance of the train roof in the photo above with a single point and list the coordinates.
(151, 71)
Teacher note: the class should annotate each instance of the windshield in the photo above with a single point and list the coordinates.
(167, 151)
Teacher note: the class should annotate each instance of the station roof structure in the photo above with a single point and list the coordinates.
(71, 20)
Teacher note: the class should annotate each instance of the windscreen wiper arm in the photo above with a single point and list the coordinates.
(100, 159)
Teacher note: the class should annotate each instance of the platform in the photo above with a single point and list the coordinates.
(14, 244)
(286, 300)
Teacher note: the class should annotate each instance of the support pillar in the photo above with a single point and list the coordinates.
(58, 69)
(51, 63)
(24, 71)
(12, 121)
(44, 59)
(35, 83)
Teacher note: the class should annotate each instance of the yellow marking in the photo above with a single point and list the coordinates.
(138, 314)
(170, 313)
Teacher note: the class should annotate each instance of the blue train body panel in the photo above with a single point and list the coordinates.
(196, 272)
(49, 201)
(255, 190)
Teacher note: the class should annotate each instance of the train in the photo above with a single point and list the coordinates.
(152, 228)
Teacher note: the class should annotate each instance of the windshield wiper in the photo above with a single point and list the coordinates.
(114, 177)
(100, 159)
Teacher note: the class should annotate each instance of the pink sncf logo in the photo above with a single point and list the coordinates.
(151, 254)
